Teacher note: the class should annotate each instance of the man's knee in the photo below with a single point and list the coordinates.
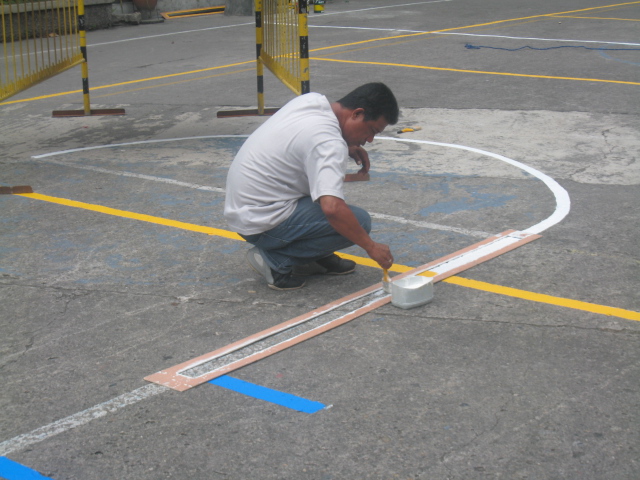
(363, 218)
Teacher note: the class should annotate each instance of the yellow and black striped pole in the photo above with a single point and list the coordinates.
(282, 46)
(259, 66)
(303, 32)
(85, 66)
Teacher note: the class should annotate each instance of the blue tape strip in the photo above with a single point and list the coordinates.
(268, 395)
(10, 470)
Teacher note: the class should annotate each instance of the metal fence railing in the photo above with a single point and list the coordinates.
(282, 44)
(39, 40)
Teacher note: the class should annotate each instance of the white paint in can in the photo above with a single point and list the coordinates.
(410, 292)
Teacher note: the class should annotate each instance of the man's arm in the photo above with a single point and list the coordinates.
(346, 224)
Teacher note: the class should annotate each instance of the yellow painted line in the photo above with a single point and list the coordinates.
(480, 72)
(135, 216)
(131, 82)
(599, 18)
(367, 262)
(177, 82)
(541, 298)
(511, 292)
(401, 41)
(548, 15)
(471, 26)
(463, 282)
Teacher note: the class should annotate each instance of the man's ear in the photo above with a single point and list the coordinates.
(357, 112)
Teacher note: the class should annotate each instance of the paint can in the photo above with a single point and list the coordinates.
(410, 292)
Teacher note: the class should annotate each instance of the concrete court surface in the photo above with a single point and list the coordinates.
(530, 372)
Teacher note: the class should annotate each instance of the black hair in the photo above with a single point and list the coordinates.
(376, 99)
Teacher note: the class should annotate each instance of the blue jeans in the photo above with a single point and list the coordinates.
(304, 237)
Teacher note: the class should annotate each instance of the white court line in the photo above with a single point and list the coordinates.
(253, 23)
(432, 226)
(563, 202)
(382, 216)
(80, 418)
(562, 209)
(126, 144)
(325, 14)
(564, 40)
(168, 34)
(140, 175)
(537, 39)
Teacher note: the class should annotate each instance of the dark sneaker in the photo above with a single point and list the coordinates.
(330, 265)
(285, 281)
(275, 280)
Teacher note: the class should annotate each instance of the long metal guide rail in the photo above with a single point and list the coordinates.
(262, 344)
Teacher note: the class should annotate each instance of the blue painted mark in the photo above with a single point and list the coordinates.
(268, 395)
(609, 57)
(231, 144)
(117, 261)
(10, 470)
(478, 201)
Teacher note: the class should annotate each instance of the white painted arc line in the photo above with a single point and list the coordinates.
(563, 202)
(22, 441)
(562, 197)
(81, 418)
(139, 142)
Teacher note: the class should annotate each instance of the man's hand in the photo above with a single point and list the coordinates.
(361, 157)
(381, 254)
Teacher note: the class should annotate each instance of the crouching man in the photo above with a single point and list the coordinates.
(285, 185)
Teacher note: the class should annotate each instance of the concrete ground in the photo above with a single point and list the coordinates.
(523, 367)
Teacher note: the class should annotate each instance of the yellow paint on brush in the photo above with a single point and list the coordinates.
(462, 282)
(367, 262)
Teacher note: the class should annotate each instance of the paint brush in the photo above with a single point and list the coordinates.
(386, 281)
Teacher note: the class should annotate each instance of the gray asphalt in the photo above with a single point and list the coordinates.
(531, 371)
